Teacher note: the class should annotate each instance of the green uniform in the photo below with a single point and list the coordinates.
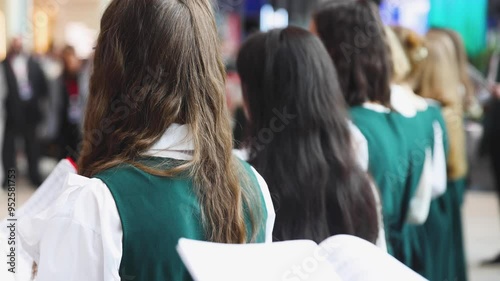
(155, 212)
(396, 161)
(428, 242)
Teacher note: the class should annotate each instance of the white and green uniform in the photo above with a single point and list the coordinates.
(398, 158)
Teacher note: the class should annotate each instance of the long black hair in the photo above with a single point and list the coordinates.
(354, 37)
(299, 139)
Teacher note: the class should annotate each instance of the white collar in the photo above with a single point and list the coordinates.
(406, 102)
(376, 107)
(176, 143)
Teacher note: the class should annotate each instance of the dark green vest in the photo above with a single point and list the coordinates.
(396, 147)
(155, 212)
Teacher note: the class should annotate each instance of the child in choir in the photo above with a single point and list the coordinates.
(428, 243)
(301, 141)
(400, 155)
(156, 163)
(438, 78)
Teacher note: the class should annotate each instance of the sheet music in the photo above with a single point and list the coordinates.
(44, 196)
(355, 259)
(341, 257)
(287, 261)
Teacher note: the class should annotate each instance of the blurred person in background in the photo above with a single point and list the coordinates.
(73, 103)
(310, 160)
(26, 86)
(429, 242)
(490, 143)
(52, 66)
(438, 78)
(364, 72)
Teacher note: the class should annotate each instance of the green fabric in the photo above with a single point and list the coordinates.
(155, 212)
(396, 160)
(429, 251)
(457, 259)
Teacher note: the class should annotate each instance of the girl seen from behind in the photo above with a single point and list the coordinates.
(439, 78)
(156, 163)
(300, 138)
(398, 154)
(429, 242)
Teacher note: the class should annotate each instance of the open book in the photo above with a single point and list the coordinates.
(44, 196)
(340, 257)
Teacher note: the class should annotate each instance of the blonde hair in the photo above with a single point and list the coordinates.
(437, 77)
(415, 50)
(401, 66)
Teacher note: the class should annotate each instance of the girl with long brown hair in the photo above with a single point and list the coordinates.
(156, 162)
(398, 155)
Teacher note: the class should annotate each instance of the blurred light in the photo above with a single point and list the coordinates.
(412, 14)
(42, 31)
(3, 37)
(81, 37)
(270, 19)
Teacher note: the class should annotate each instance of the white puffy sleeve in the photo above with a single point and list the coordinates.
(439, 176)
(421, 202)
(360, 146)
(79, 237)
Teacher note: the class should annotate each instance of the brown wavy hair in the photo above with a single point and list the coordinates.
(353, 34)
(157, 62)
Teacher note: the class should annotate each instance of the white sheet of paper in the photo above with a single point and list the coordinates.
(340, 257)
(287, 261)
(355, 259)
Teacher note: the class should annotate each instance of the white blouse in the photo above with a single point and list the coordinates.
(80, 237)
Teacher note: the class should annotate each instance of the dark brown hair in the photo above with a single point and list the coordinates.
(354, 37)
(309, 164)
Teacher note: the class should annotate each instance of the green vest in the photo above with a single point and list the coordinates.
(155, 212)
(396, 148)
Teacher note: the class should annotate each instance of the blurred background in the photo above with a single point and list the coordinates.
(58, 37)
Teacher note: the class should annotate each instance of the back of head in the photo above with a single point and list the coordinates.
(401, 66)
(414, 46)
(157, 62)
(354, 37)
(299, 138)
(437, 75)
(462, 60)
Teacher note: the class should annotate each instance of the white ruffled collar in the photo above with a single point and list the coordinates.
(176, 143)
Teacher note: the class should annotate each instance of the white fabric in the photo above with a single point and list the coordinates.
(360, 145)
(42, 199)
(432, 183)
(406, 102)
(439, 173)
(421, 202)
(376, 107)
(340, 257)
(80, 237)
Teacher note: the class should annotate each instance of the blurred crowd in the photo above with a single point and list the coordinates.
(397, 88)
(42, 104)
